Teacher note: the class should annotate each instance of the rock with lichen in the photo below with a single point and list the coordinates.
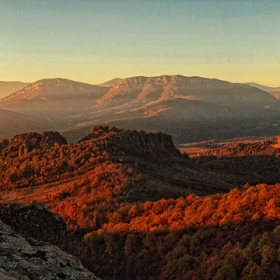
(29, 259)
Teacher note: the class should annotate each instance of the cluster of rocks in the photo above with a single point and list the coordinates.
(24, 143)
(24, 252)
(140, 139)
(265, 147)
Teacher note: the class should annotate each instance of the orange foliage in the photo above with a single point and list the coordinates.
(221, 209)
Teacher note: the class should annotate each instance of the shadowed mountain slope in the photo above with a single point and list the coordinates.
(11, 123)
(275, 91)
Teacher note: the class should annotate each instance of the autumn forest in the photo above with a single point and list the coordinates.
(136, 207)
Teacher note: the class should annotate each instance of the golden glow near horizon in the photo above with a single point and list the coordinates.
(95, 41)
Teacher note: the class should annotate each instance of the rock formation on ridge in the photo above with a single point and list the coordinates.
(26, 142)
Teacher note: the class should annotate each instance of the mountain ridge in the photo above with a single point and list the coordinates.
(142, 101)
(50, 88)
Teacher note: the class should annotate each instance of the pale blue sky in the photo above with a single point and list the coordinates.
(94, 41)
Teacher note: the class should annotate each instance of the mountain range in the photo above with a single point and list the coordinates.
(189, 108)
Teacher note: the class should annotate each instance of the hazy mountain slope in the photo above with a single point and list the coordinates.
(175, 104)
(143, 89)
(12, 123)
(52, 90)
(60, 102)
(189, 121)
(7, 88)
(110, 82)
(275, 91)
(139, 102)
(262, 87)
(181, 109)
(124, 91)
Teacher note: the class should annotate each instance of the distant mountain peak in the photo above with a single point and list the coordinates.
(53, 88)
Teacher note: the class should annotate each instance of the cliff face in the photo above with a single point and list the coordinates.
(26, 142)
(24, 257)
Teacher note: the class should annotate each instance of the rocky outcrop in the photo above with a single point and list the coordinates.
(132, 141)
(29, 259)
(24, 143)
(259, 148)
(34, 221)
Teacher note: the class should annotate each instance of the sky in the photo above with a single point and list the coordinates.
(94, 41)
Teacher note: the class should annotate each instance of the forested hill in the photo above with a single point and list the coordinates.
(136, 208)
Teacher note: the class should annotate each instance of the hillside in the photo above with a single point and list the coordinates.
(162, 87)
(7, 88)
(11, 123)
(131, 195)
(110, 82)
(209, 108)
(138, 161)
(57, 101)
(54, 89)
(275, 91)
